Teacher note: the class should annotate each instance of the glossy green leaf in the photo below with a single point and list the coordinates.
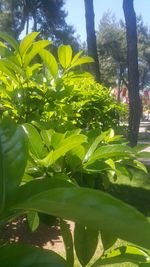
(65, 55)
(33, 220)
(107, 212)
(108, 151)
(50, 62)
(10, 40)
(75, 58)
(47, 136)
(94, 145)
(36, 48)
(123, 254)
(140, 165)
(27, 42)
(28, 256)
(37, 186)
(68, 242)
(82, 60)
(7, 71)
(13, 158)
(35, 141)
(85, 241)
(66, 145)
(97, 166)
(57, 139)
(12, 66)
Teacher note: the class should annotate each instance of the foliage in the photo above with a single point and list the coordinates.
(56, 87)
(71, 202)
(112, 49)
(63, 173)
(48, 17)
(92, 160)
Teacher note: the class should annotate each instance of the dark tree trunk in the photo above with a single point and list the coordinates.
(91, 37)
(133, 74)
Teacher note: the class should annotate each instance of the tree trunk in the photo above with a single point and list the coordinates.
(91, 37)
(133, 73)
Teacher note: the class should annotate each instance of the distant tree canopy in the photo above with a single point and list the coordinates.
(112, 50)
(46, 16)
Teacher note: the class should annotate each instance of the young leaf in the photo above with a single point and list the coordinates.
(27, 256)
(75, 58)
(82, 60)
(68, 242)
(10, 40)
(85, 241)
(110, 151)
(94, 145)
(35, 141)
(50, 62)
(65, 55)
(33, 220)
(66, 145)
(36, 48)
(27, 42)
(13, 158)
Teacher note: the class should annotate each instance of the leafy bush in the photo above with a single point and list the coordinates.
(66, 97)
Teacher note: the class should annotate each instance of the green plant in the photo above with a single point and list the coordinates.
(92, 159)
(66, 96)
(92, 211)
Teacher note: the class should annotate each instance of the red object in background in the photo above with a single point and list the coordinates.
(124, 92)
(146, 93)
(146, 102)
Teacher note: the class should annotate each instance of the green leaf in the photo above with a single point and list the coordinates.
(36, 48)
(108, 239)
(12, 66)
(68, 242)
(28, 256)
(47, 136)
(94, 145)
(40, 185)
(123, 254)
(2, 45)
(82, 60)
(77, 204)
(27, 42)
(13, 158)
(35, 141)
(10, 40)
(50, 62)
(85, 241)
(33, 220)
(7, 71)
(110, 151)
(75, 58)
(66, 145)
(65, 55)
(140, 166)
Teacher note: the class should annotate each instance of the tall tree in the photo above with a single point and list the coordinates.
(133, 73)
(46, 16)
(111, 43)
(91, 36)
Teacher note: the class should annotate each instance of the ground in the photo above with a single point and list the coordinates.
(45, 236)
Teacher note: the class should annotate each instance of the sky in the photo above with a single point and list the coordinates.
(76, 13)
